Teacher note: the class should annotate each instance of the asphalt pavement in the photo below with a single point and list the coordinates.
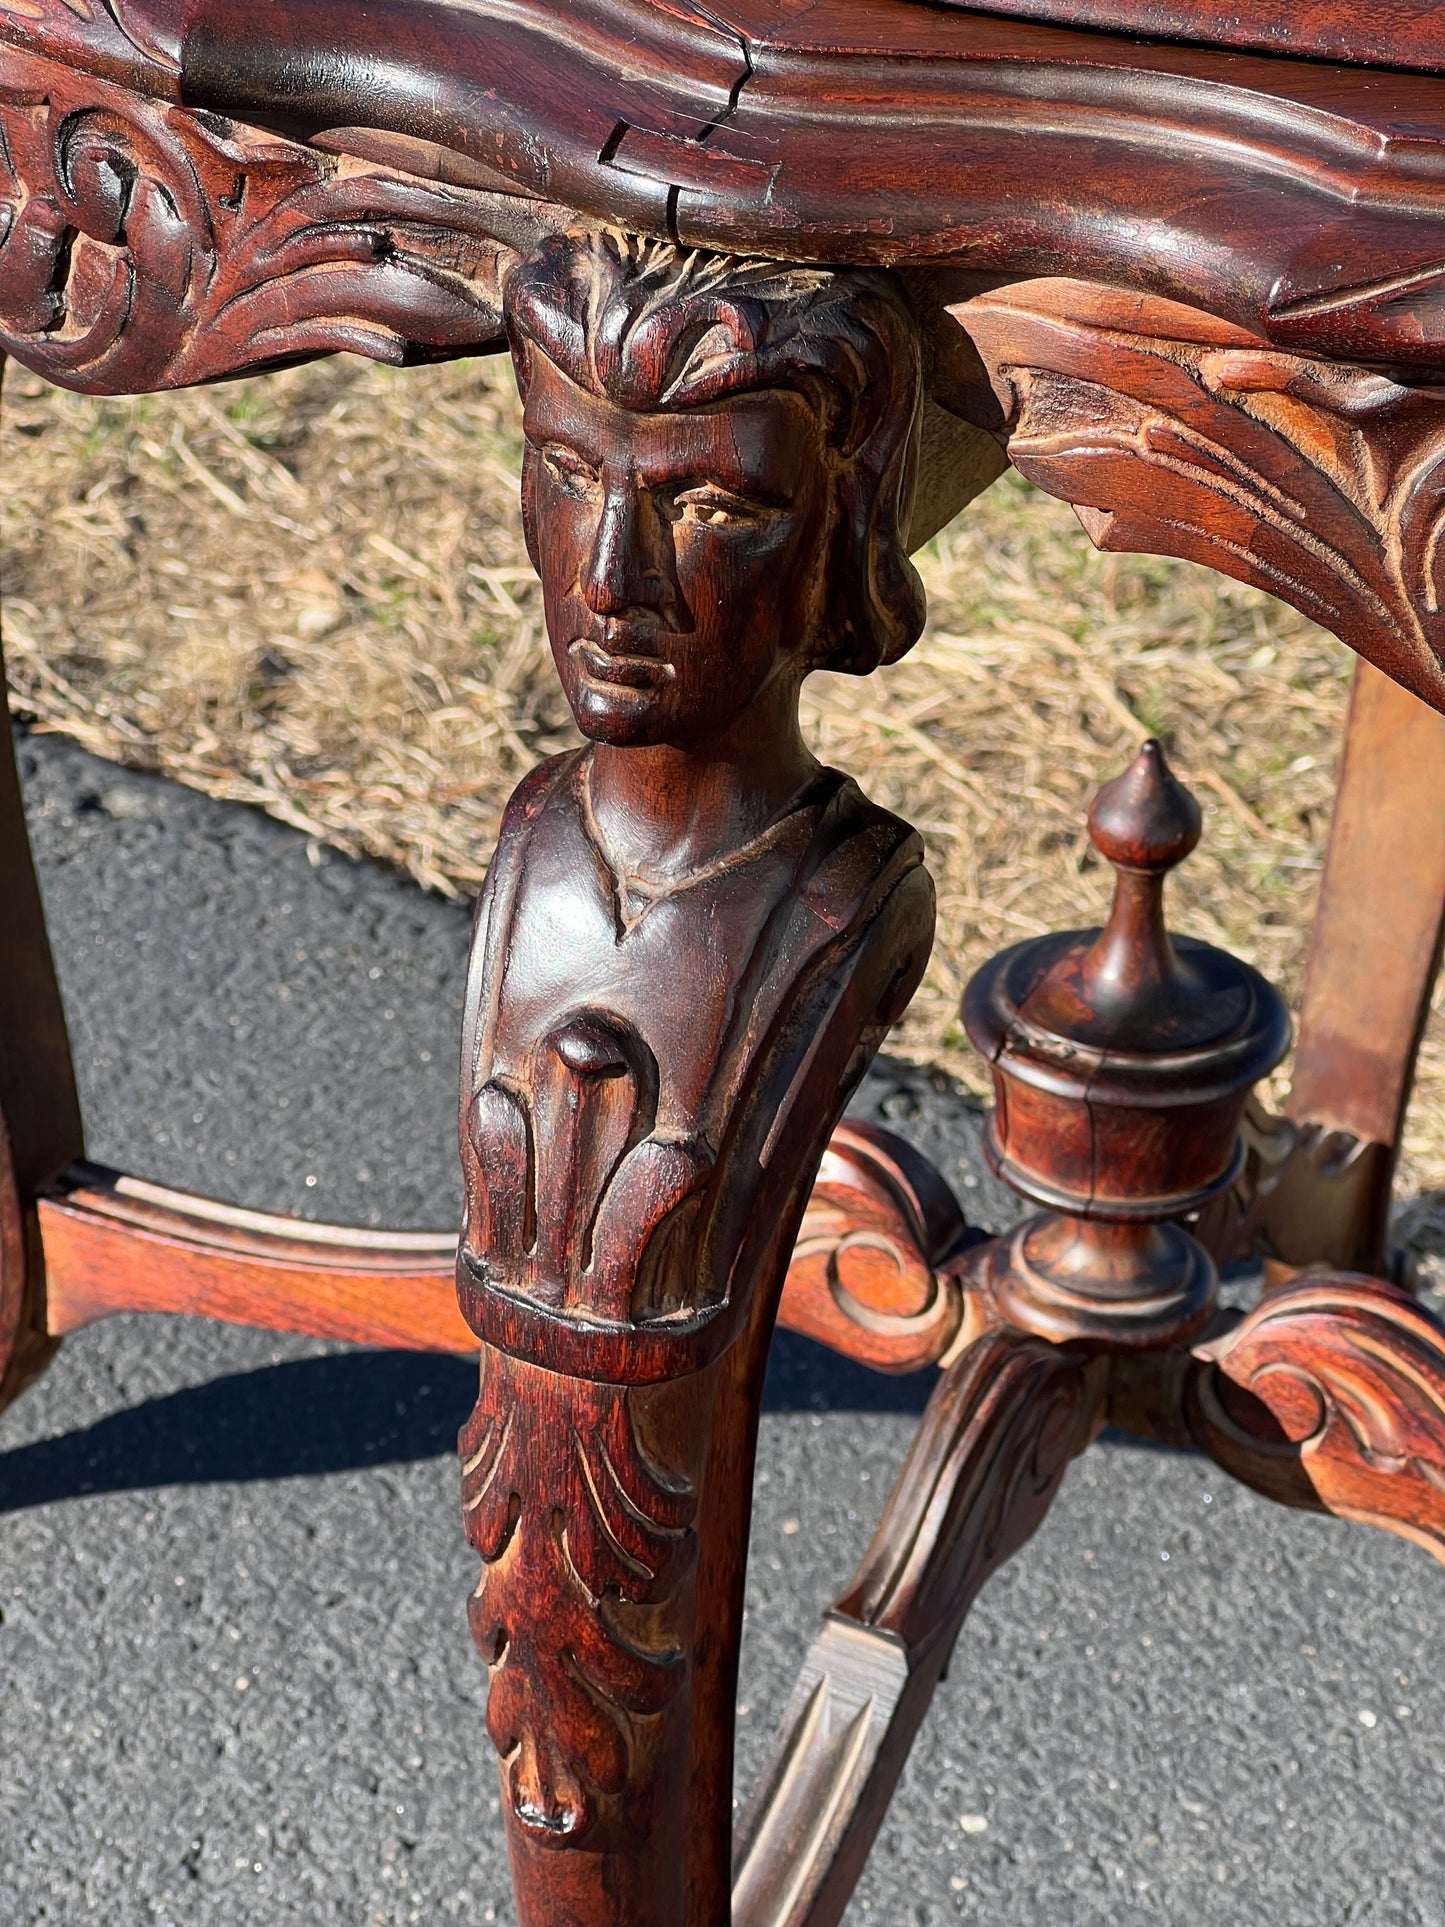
(236, 1688)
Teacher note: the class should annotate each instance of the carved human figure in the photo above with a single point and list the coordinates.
(690, 942)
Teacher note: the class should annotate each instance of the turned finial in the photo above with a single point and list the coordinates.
(1143, 823)
(1121, 1060)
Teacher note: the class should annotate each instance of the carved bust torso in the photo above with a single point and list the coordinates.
(621, 1039)
(692, 935)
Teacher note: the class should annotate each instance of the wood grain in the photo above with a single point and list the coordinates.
(117, 1244)
(1331, 1396)
(1322, 483)
(874, 1273)
(1122, 1059)
(1382, 897)
(112, 1244)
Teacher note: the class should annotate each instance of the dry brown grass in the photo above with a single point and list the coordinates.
(309, 592)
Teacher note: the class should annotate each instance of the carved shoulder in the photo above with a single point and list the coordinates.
(496, 901)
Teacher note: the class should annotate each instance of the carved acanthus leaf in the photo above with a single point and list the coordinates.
(1176, 434)
(145, 247)
(1331, 1395)
(585, 1545)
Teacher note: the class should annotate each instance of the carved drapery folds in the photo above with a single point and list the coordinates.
(1176, 433)
(144, 247)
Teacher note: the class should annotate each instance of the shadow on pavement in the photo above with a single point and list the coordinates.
(346, 1412)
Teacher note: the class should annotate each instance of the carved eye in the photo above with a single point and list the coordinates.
(568, 470)
(712, 507)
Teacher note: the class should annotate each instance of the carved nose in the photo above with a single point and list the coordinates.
(622, 572)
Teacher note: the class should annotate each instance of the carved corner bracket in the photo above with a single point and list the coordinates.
(1175, 433)
(1330, 1395)
(146, 246)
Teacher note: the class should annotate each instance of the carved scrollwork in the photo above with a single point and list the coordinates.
(584, 1542)
(1178, 434)
(871, 1272)
(1330, 1395)
(145, 247)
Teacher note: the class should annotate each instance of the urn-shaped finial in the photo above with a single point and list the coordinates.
(1122, 1056)
(1121, 1060)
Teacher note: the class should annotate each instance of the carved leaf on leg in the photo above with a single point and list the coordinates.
(1174, 433)
(582, 1540)
(144, 247)
(1331, 1395)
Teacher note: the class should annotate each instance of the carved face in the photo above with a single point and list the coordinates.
(680, 554)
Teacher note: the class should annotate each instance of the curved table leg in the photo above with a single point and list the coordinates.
(1004, 1421)
(1331, 1396)
(39, 1110)
(612, 1521)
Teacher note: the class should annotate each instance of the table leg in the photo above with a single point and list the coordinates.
(1373, 959)
(1004, 1422)
(40, 1129)
(1316, 1186)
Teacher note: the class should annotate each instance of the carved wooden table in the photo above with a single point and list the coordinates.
(786, 284)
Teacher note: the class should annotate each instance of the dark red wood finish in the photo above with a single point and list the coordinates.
(1197, 293)
(715, 492)
(1390, 33)
(844, 130)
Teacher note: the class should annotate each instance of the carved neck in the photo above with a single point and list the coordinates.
(1133, 954)
(667, 810)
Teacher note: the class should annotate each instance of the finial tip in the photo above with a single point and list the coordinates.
(1145, 819)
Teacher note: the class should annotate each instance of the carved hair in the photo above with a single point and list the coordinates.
(653, 326)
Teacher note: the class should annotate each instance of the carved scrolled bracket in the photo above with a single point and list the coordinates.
(143, 246)
(1175, 433)
(875, 1270)
(1330, 1395)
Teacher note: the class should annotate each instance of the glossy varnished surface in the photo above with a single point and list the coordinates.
(1302, 199)
(1395, 33)
(692, 937)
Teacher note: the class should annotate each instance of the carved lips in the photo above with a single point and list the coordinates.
(617, 669)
